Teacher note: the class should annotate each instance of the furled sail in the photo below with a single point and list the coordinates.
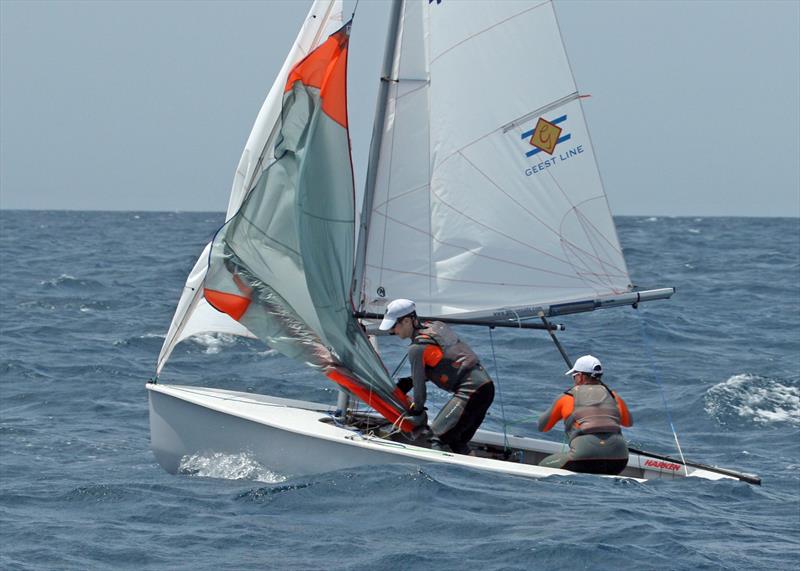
(486, 194)
(282, 265)
(194, 315)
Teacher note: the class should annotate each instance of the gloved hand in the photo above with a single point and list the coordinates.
(405, 384)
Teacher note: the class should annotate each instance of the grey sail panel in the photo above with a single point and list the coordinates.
(282, 265)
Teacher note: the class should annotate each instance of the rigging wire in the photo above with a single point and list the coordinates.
(499, 391)
(649, 351)
(400, 364)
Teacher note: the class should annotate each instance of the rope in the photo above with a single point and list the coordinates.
(396, 424)
(499, 391)
(649, 351)
(400, 364)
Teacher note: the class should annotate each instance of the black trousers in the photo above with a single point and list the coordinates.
(612, 467)
(470, 415)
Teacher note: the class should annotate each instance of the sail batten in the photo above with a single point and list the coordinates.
(537, 112)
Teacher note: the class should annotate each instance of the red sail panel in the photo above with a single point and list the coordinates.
(387, 410)
(232, 304)
(326, 68)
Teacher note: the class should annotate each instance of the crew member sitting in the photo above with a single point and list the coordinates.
(593, 416)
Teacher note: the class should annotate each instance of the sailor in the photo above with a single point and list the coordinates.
(593, 415)
(436, 354)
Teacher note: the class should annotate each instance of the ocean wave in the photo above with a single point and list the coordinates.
(242, 466)
(137, 340)
(757, 399)
(266, 492)
(96, 493)
(15, 369)
(69, 281)
(74, 431)
(214, 342)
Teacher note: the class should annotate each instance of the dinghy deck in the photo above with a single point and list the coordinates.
(294, 437)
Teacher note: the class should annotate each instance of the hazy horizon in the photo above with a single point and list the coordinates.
(221, 212)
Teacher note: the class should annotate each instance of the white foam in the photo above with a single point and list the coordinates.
(59, 280)
(152, 336)
(759, 399)
(228, 467)
(214, 342)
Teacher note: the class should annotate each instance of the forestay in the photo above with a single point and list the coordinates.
(487, 193)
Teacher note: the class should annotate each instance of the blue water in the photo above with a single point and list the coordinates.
(87, 297)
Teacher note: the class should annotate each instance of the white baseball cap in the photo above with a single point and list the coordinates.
(394, 311)
(587, 364)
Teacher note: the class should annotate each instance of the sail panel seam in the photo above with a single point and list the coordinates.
(540, 111)
(483, 31)
(535, 268)
(480, 282)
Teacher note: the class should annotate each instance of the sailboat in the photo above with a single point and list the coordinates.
(483, 203)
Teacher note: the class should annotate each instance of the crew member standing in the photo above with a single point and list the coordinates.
(436, 354)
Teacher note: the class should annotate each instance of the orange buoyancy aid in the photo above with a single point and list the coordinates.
(448, 366)
(595, 410)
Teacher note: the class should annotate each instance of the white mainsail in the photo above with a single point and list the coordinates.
(467, 214)
(194, 314)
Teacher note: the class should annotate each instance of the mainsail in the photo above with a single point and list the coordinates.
(486, 191)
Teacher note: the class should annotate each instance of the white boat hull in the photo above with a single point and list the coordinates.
(294, 438)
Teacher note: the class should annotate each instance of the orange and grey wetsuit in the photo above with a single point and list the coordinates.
(593, 416)
(437, 354)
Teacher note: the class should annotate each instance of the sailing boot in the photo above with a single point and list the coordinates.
(460, 448)
(437, 444)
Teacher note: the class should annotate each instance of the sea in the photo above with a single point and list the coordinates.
(86, 299)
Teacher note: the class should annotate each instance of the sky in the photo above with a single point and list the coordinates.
(146, 105)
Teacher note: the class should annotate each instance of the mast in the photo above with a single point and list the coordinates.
(343, 400)
(375, 149)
